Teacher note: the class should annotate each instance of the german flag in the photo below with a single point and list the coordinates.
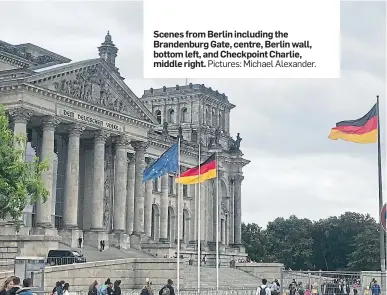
(363, 130)
(207, 171)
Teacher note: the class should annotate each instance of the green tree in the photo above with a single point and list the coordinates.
(290, 242)
(254, 240)
(20, 182)
(366, 250)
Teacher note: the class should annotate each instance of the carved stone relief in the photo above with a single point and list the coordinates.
(92, 87)
(108, 187)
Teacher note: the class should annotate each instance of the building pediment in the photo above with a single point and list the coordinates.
(94, 82)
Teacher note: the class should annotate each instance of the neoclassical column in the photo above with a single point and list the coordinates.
(238, 209)
(148, 205)
(231, 209)
(164, 202)
(44, 210)
(20, 118)
(70, 206)
(130, 195)
(119, 220)
(98, 180)
(139, 187)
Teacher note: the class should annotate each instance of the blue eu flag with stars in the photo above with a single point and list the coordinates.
(167, 163)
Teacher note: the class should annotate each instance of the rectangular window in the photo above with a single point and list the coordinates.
(155, 184)
(185, 191)
(171, 184)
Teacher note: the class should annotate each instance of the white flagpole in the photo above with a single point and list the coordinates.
(217, 223)
(199, 217)
(178, 222)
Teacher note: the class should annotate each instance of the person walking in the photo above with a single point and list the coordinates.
(147, 290)
(93, 288)
(263, 289)
(167, 289)
(117, 288)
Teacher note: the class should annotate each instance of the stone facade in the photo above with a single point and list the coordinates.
(98, 137)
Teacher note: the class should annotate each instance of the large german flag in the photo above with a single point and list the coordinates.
(363, 130)
(207, 171)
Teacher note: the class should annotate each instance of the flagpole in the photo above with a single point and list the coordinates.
(217, 223)
(382, 233)
(199, 218)
(178, 221)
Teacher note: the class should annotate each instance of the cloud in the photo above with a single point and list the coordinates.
(284, 123)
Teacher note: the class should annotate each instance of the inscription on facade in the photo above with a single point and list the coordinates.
(84, 118)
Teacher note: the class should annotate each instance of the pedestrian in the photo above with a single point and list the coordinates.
(80, 242)
(66, 288)
(101, 245)
(117, 288)
(167, 289)
(26, 289)
(147, 290)
(59, 288)
(8, 284)
(16, 286)
(263, 289)
(103, 289)
(93, 288)
(375, 289)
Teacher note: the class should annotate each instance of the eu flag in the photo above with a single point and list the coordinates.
(167, 163)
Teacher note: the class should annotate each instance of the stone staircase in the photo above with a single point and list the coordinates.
(228, 278)
(93, 254)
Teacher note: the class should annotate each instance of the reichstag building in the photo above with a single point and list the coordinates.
(98, 137)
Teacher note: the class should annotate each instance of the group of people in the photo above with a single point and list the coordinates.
(13, 286)
(109, 288)
(61, 288)
(269, 289)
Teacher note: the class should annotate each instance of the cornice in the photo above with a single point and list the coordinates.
(79, 103)
(15, 61)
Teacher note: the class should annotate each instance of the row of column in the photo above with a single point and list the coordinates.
(132, 215)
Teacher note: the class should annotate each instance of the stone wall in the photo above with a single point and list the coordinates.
(269, 271)
(132, 272)
(12, 246)
(4, 275)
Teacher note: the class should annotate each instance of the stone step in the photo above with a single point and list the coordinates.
(93, 254)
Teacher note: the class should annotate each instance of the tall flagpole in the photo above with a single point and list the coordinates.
(199, 217)
(178, 221)
(382, 233)
(217, 223)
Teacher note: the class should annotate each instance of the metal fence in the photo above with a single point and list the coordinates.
(330, 282)
(65, 260)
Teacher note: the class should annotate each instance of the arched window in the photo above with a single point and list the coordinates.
(158, 116)
(171, 116)
(184, 115)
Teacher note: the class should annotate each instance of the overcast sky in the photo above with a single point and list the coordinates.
(284, 123)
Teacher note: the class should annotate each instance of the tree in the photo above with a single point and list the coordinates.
(366, 250)
(20, 182)
(291, 242)
(254, 240)
(346, 242)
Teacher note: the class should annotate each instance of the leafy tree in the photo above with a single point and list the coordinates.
(290, 242)
(20, 182)
(346, 242)
(254, 240)
(366, 250)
